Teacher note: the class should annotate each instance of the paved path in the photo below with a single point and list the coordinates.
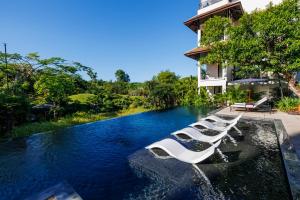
(290, 122)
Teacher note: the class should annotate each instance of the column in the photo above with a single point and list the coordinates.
(224, 72)
(199, 37)
(199, 76)
(224, 88)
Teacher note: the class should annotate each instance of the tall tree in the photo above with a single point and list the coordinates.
(166, 77)
(122, 76)
(55, 87)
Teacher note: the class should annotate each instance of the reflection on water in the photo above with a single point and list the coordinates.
(93, 159)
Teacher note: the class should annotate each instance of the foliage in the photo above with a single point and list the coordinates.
(73, 119)
(161, 90)
(54, 87)
(203, 99)
(166, 77)
(214, 30)
(13, 111)
(82, 98)
(263, 41)
(235, 95)
(121, 76)
(288, 104)
(161, 95)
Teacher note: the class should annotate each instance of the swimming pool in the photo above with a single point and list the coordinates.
(93, 159)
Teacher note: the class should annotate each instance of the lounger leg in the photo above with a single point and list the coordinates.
(238, 130)
(232, 140)
(224, 157)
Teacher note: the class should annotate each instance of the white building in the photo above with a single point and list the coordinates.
(216, 78)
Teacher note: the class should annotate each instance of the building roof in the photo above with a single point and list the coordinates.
(196, 52)
(234, 8)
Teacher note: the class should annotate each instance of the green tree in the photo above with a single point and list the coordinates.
(161, 90)
(121, 76)
(55, 88)
(263, 41)
(166, 77)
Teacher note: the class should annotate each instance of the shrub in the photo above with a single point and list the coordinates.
(13, 111)
(203, 99)
(288, 104)
(121, 102)
(82, 98)
(138, 101)
(235, 94)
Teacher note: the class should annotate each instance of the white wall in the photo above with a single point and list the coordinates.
(251, 5)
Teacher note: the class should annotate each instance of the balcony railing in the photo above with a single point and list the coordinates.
(204, 4)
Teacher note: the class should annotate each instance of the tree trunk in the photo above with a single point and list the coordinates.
(280, 85)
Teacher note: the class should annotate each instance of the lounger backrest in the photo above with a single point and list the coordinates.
(206, 124)
(261, 101)
(172, 147)
(191, 130)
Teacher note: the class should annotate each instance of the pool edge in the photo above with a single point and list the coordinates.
(290, 159)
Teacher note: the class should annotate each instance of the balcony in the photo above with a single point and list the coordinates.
(210, 8)
(210, 81)
(204, 4)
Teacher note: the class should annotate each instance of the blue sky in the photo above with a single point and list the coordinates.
(143, 37)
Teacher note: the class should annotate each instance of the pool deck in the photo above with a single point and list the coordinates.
(291, 123)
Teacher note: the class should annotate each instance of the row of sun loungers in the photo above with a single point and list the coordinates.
(175, 150)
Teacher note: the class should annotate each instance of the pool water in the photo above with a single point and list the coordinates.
(93, 159)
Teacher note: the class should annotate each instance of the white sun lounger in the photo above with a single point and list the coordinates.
(249, 106)
(209, 125)
(179, 152)
(224, 122)
(221, 120)
(197, 135)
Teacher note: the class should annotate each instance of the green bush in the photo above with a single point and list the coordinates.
(138, 101)
(81, 98)
(121, 102)
(203, 99)
(13, 111)
(288, 104)
(236, 95)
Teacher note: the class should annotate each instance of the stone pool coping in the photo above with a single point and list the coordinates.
(290, 159)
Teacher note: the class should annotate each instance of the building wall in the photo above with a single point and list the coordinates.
(248, 5)
(251, 5)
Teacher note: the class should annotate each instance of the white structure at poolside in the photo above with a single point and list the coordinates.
(216, 77)
(179, 152)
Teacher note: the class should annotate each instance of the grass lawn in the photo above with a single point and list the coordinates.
(75, 119)
(81, 98)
